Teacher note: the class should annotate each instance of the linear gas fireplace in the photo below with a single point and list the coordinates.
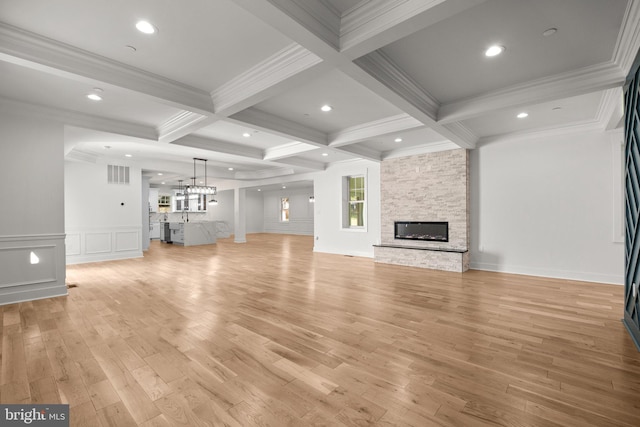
(421, 230)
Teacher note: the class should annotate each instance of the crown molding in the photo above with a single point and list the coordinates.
(82, 120)
(576, 127)
(378, 65)
(369, 130)
(420, 149)
(81, 156)
(461, 134)
(287, 150)
(43, 54)
(219, 146)
(277, 125)
(579, 82)
(374, 24)
(262, 80)
(182, 124)
(628, 42)
(611, 109)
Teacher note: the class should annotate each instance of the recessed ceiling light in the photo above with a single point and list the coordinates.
(162, 183)
(397, 140)
(160, 174)
(230, 169)
(522, 115)
(128, 155)
(246, 134)
(146, 27)
(94, 97)
(494, 50)
(325, 154)
(131, 48)
(549, 32)
(326, 108)
(284, 186)
(259, 189)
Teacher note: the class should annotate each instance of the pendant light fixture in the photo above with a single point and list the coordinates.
(195, 191)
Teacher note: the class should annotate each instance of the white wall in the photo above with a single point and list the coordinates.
(329, 235)
(545, 207)
(32, 208)
(300, 211)
(103, 221)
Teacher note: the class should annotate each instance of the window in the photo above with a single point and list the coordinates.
(284, 209)
(354, 210)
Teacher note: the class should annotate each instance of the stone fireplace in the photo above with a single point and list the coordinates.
(419, 195)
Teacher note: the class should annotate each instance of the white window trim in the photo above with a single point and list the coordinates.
(344, 206)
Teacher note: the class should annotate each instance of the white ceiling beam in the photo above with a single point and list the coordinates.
(374, 24)
(376, 72)
(264, 173)
(302, 163)
(33, 51)
(258, 119)
(218, 146)
(628, 42)
(366, 131)
(183, 124)
(432, 147)
(310, 26)
(362, 151)
(287, 150)
(573, 83)
(285, 69)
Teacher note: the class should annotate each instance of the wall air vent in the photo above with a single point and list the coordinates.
(117, 174)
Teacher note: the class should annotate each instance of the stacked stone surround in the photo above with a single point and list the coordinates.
(426, 187)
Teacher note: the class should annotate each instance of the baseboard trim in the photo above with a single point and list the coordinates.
(345, 253)
(111, 256)
(33, 294)
(554, 274)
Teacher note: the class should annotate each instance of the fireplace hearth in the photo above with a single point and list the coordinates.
(426, 231)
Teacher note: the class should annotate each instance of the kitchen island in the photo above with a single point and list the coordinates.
(189, 233)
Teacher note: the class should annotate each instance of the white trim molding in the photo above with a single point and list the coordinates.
(97, 244)
(24, 279)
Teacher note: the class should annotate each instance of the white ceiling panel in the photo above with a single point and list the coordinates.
(232, 132)
(53, 91)
(447, 59)
(199, 43)
(577, 109)
(352, 104)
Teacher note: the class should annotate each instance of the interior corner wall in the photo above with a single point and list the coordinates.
(32, 208)
(548, 207)
(330, 236)
(224, 211)
(103, 221)
(300, 211)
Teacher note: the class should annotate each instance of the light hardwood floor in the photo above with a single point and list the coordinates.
(268, 333)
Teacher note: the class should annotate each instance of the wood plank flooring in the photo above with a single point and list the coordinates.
(269, 333)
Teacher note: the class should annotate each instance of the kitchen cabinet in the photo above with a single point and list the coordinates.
(154, 232)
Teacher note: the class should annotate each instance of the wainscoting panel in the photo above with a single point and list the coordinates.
(103, 244)
(32, 266)
(97, 243)
(127, 241)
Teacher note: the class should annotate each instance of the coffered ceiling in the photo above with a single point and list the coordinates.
(241, 83)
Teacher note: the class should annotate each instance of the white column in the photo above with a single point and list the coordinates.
(240, 215)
